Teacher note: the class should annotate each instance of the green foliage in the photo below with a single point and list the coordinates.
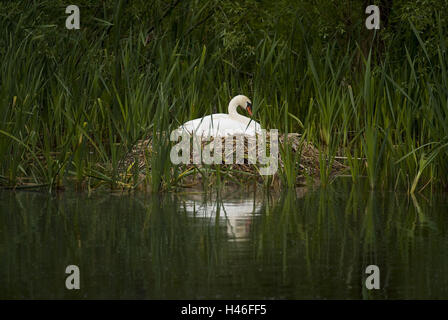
(74, 103)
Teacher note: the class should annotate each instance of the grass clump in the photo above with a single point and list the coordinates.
(74, 104)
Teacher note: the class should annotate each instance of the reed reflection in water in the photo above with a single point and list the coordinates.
(313, 244)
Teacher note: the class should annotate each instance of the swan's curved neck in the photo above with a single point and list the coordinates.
(233, 106)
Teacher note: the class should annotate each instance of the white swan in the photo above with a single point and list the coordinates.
(236, 214)
(221, 124)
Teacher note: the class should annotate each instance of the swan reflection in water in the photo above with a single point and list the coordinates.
(234, 213)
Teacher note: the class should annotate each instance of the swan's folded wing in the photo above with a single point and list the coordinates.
(220, 125)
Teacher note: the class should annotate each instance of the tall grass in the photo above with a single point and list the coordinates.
(74, 103)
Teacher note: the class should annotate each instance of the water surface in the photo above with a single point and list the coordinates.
(224, 245)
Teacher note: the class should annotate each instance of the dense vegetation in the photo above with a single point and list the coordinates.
(74, 102)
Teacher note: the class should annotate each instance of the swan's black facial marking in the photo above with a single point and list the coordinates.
(249, 108)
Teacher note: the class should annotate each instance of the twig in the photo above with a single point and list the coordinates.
(199, 23)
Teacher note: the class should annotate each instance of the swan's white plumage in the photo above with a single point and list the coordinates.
(221, 125)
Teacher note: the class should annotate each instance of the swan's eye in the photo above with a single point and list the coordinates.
(249, 104)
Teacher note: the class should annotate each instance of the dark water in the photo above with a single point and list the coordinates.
(224, 245)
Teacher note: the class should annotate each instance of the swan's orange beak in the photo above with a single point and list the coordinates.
(249, 110)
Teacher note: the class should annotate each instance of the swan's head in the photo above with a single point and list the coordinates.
(243, 102)
(249, 107)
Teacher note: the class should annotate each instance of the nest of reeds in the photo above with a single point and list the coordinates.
(300, 155)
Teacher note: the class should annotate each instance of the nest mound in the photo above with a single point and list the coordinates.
(302, 155)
